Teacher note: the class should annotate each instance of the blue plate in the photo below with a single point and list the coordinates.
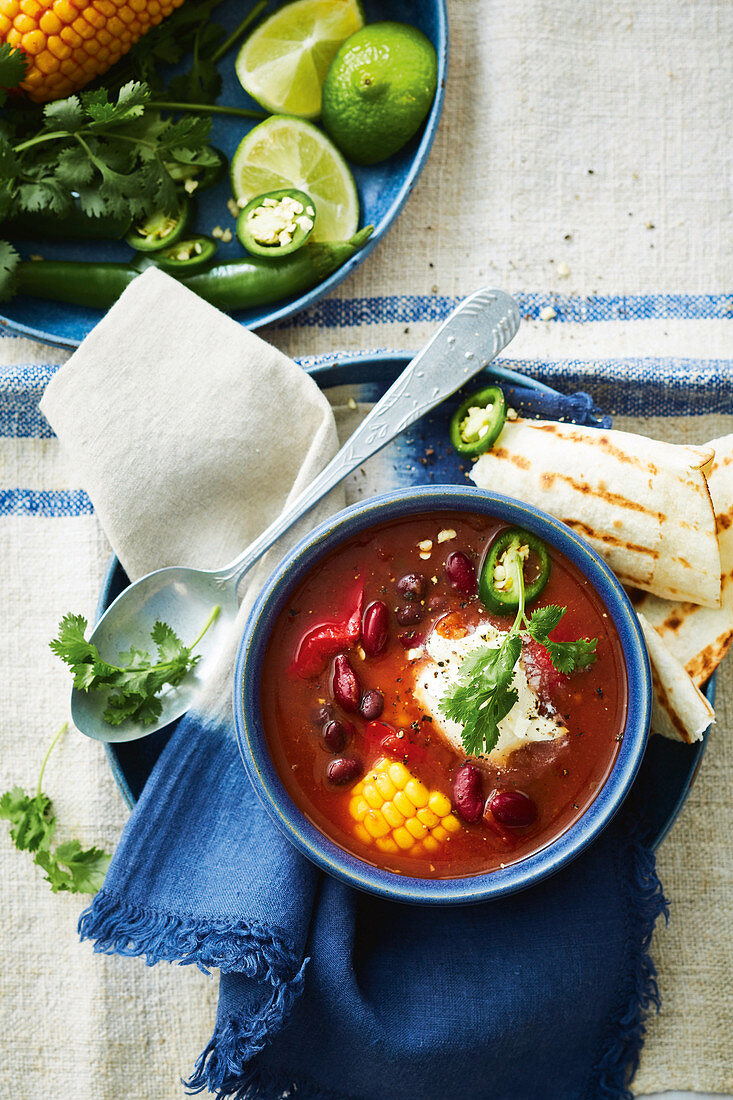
(668, 768)
(383, 190)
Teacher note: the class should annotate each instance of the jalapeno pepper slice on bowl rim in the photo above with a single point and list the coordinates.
(159, 230)
(478, 420)
(496, 589)
(277, 222)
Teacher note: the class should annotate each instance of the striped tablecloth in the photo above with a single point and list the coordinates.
(583, 163)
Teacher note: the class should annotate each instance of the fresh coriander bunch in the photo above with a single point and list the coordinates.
(484, 693)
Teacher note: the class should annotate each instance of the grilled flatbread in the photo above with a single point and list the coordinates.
(699, 636)
(680, 710)
(642, 504)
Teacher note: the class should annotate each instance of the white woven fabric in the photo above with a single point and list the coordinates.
(574, 133)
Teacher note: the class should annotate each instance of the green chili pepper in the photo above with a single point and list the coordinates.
(184, 257)
(74, 225)
(81, 283)
(160, 230)
(495, 588)
(276, 223)
(477, 421)
(242, 284)
(238, 284)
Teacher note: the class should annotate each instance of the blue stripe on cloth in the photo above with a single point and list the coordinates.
(621, 387)
(46, 503)
(580, 309)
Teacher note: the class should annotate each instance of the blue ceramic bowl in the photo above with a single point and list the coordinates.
(251, 736)
(383, 190)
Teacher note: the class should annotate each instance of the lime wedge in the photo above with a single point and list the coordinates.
(288, 152)
(284, 62)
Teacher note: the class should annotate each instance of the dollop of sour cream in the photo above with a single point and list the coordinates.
(437, 672)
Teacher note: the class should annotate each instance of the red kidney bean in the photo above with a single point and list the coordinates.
(371, 705)
(461, 572)
(467, 793)
(344, 769)
(409, 614)
(409, 639)
(346, 690)
(513, 808)
(375, 628)
(323, 714)
(334, 735)
(412, 586)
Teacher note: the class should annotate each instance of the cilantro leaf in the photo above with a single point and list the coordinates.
(133, 685)
(543, 621)
(567, 657)
(484, 694)
(32, 826)
(13, 66)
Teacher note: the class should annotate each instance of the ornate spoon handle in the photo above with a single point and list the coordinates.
(466, 342)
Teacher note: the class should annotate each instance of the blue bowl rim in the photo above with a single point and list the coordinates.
(303, 301)
(314, 844)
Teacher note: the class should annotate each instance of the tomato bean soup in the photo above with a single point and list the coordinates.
(360, 663)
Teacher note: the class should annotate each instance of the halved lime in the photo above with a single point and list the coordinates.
(288, 152)
(284, 62)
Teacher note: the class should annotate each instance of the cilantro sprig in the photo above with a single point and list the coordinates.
(68, 866)
(13, 65)
(135, 684)
(484, 693)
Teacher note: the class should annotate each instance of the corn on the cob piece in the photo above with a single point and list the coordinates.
(397, 813)
(69, 42)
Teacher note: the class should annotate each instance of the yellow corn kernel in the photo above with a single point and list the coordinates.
(385, 844)
(427, 817)
(399, 774)
(372, 796)
(5, 24)
(362, 834)
(65, 11)
(451, 823)
(392, 815)
(385, 786)
(46, 62)
(403, 804)
(402, 838)
(416, 793)
(439, 804)
(58, 47)
(416, 827)
(430, 844)
(375, 824)
(13, 37)
(33, 43)
(358, 808)
(50, 23)
(9, 8)
(440, 833)
(24, 24)
(31, 7)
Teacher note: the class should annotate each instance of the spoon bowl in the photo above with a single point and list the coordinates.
(182, 597)
(474, 334)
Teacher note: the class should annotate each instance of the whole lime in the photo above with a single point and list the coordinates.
(378, 90)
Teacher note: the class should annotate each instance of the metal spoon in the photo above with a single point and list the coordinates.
(466, 342)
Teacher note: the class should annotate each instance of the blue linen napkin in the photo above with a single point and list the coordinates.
(327, 993)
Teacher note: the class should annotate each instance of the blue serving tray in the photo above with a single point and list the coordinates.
(668, 768)
(383, 190)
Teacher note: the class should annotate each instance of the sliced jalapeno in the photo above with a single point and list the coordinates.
(496, 587)
(477, 421)
(186, 257)
(160, 230)
(276, 223)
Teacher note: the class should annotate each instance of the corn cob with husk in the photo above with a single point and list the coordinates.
(70, 42)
